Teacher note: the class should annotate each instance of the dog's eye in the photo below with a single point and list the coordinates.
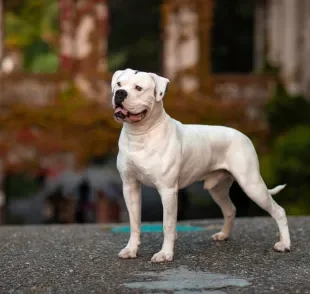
(119, 84)
(138, 88)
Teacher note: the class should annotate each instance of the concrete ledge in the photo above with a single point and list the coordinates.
(83, 259)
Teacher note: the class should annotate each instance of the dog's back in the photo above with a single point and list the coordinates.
(203, 147)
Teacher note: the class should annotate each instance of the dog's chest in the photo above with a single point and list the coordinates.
(152, 164)
(145, 166)
(154, 158)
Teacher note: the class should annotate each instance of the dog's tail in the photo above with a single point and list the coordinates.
(276, 190)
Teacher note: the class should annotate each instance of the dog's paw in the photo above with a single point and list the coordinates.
(282, 247)
(162, 256)
(128, 252)
(220, 236)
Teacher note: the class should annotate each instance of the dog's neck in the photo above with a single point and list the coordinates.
(156, 117)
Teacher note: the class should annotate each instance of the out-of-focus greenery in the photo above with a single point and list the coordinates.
(289, 158)
(20, 186)
(32, 26)
(286, 112)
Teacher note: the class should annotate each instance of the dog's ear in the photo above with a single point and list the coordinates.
(161, 86)
(115, 78)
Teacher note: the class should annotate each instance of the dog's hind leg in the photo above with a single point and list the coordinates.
(259, 193)
(244, 167)
(220, 194)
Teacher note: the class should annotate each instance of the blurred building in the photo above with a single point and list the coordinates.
(186, 51)
(187, 59)
(83, 44)
(283, 41)
(181, 46)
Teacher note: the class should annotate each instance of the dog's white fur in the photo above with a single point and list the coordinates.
(163, 153)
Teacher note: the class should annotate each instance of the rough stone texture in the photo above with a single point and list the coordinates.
(83, 259)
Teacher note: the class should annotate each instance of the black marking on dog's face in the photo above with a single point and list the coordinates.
(166, 88)
(161, 93)
(136, 72)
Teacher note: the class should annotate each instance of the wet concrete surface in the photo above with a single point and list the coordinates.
(83, 259)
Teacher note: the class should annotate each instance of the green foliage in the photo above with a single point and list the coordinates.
(285, 111)
(117, 59)
(47, 63)
(39, 58)
(289, 162)
(289, 159)
(30, 26)
(291, 156)
(20, 186)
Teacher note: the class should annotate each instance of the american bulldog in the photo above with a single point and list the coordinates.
(158, 151)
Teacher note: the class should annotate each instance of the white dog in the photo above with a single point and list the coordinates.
(160, 152)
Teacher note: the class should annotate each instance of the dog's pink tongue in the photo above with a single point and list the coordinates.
(122, 110)
(135, 117)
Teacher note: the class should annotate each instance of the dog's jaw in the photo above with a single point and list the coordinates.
(153, 118)
(122, 114)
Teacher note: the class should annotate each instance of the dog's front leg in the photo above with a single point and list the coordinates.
(170, 209)
(132, 195)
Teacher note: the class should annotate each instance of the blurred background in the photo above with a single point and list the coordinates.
(238, 63)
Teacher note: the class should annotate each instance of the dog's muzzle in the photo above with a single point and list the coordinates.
(120, 115)
(120, 96)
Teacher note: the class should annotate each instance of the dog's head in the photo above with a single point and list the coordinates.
(135, 94)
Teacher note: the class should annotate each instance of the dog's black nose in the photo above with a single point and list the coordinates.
(120, 96)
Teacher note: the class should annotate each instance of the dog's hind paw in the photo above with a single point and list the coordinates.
(162, 256)
(220, 236)
(127, 253)
(282, 247)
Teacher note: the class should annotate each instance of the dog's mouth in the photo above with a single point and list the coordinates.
(122, 113)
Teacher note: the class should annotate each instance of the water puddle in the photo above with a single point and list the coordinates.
(156, 228)
(182, 281)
